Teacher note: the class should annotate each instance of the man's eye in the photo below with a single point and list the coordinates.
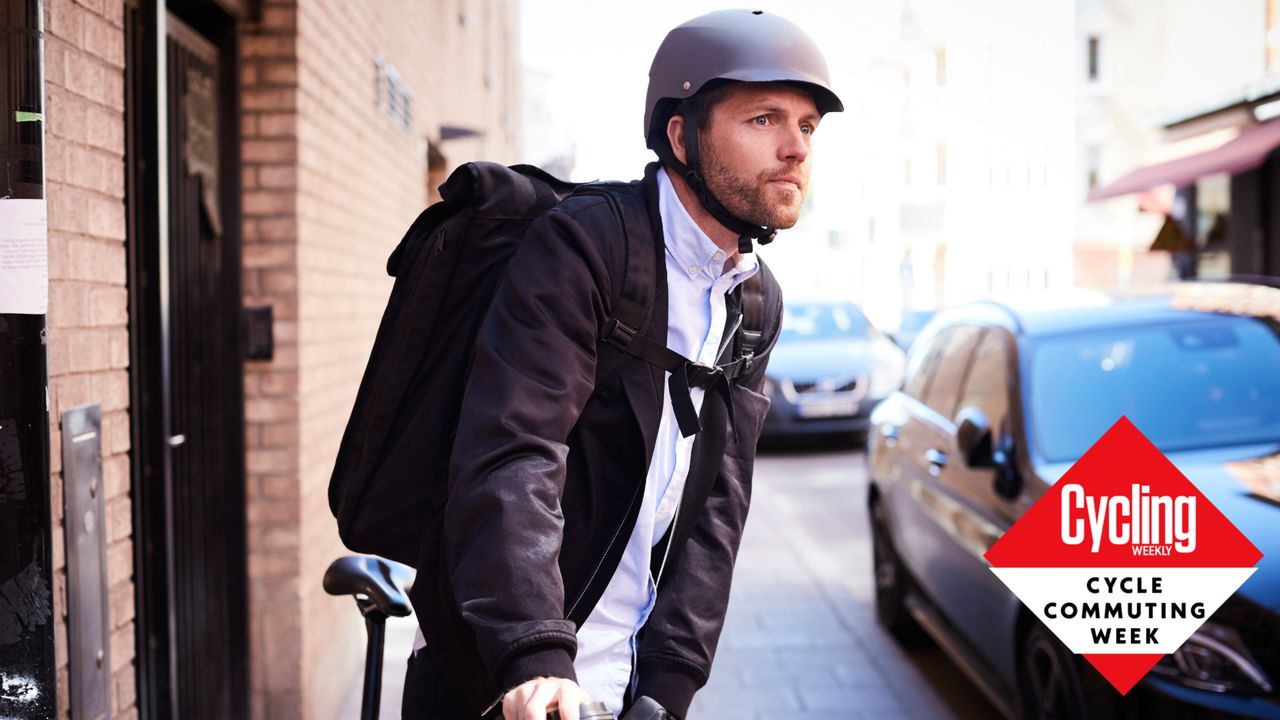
(807, 129)
(761, 120)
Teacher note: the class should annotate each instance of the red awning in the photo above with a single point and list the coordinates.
(1247, 151)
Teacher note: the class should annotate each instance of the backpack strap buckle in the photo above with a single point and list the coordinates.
(618, 333)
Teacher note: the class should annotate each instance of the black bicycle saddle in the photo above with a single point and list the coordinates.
(373, 578)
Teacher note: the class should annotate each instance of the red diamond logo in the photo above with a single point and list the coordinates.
(1123, 558)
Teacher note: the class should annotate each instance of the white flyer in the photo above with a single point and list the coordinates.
(24, 256)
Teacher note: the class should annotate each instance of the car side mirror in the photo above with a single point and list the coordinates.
(973, 438)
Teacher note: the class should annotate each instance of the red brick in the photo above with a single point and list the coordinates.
(272, 461)
(279, 282)
(84, 74)
(279, 18)
(118, 342)
(121, 600)
(71, 391)
(111, 388)
(280, 72)
(93, 6)
(63, 19)
(104, 40)
(270, 410)
(278, 229)
(277, 46)
(269, 151)
(262, 565)
(269, 255)
(115, 476)
(106, 218)
(279, 486)
(249, 178)
(119, 562)
(248, 126)
(278, 177)
(97, 261)
(89, 351)
(273, 509)
(264, 202)
(109, 305)
(119, 519)
(268, 99)
(68, 305)
(106, 129)
(122, 647)
(55, 58)
(126, 685)
(115, 433)
(277, 124)
(68, 210)
(279, 435)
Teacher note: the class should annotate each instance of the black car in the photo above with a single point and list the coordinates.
(997, 404)
(829, 369)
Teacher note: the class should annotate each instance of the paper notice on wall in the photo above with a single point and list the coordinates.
(24, 256)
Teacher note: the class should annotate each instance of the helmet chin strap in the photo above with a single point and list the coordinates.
(746, 231)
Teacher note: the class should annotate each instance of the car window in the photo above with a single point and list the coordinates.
(987, 386)
(921, 361)
(952, 362)
(1206, 383)
(823, 321)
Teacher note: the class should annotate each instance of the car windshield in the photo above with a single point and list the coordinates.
(1205, 383)
(823, 321)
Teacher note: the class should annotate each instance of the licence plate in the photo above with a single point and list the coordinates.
(831, 408)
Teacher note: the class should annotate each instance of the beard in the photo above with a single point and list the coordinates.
(752, 198)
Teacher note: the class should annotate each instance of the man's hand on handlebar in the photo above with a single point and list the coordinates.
(530, 700)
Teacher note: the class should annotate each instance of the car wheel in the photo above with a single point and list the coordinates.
(891, 583)
(1049, 680)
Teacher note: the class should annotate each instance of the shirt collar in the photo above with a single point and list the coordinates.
(686, 243)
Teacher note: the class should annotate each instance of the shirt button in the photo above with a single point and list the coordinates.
(718, 256)
(693, 270)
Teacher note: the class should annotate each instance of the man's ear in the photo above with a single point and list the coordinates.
(675, 136)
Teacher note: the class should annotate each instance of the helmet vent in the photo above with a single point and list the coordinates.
(757, 12)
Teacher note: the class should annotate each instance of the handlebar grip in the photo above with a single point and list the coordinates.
(586, 711)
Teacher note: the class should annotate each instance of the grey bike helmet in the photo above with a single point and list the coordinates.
(740, 45)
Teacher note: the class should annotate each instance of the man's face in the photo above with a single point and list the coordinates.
(756, 154)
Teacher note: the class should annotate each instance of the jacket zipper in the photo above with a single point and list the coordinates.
(605, 554)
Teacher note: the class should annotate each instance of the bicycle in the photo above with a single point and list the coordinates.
(379, 588)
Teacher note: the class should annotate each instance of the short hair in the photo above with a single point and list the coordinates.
(697, 106)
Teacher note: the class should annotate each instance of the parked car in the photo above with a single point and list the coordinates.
(828, 370)
(998, 403)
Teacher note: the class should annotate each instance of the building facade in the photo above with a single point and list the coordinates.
(220, 206)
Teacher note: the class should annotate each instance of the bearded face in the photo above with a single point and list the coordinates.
(756, 152)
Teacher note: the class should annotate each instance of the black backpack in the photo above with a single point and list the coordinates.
(391, 473)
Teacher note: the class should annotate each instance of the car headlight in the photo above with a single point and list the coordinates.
(1214, 658)
(888, 368)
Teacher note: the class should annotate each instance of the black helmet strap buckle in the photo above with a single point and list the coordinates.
(691, 172)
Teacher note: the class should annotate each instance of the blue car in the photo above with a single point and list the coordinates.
(828, 370)
(998, 403)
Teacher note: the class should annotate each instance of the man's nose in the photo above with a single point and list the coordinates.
(795, 146)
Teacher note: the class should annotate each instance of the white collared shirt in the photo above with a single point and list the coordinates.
(697, 283)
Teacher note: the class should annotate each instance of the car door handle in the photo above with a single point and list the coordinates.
(936, 459)
(890, 433)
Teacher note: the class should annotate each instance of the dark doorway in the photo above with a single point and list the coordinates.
(187, 370)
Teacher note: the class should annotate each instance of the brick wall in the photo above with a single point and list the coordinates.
(270, 229)
(330, 185)
(88, 302)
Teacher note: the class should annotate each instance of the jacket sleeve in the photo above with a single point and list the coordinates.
(531, 375)
(679, 639)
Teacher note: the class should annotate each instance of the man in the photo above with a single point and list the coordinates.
(570, 571)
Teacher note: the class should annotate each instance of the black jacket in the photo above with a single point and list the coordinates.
(548, 470)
